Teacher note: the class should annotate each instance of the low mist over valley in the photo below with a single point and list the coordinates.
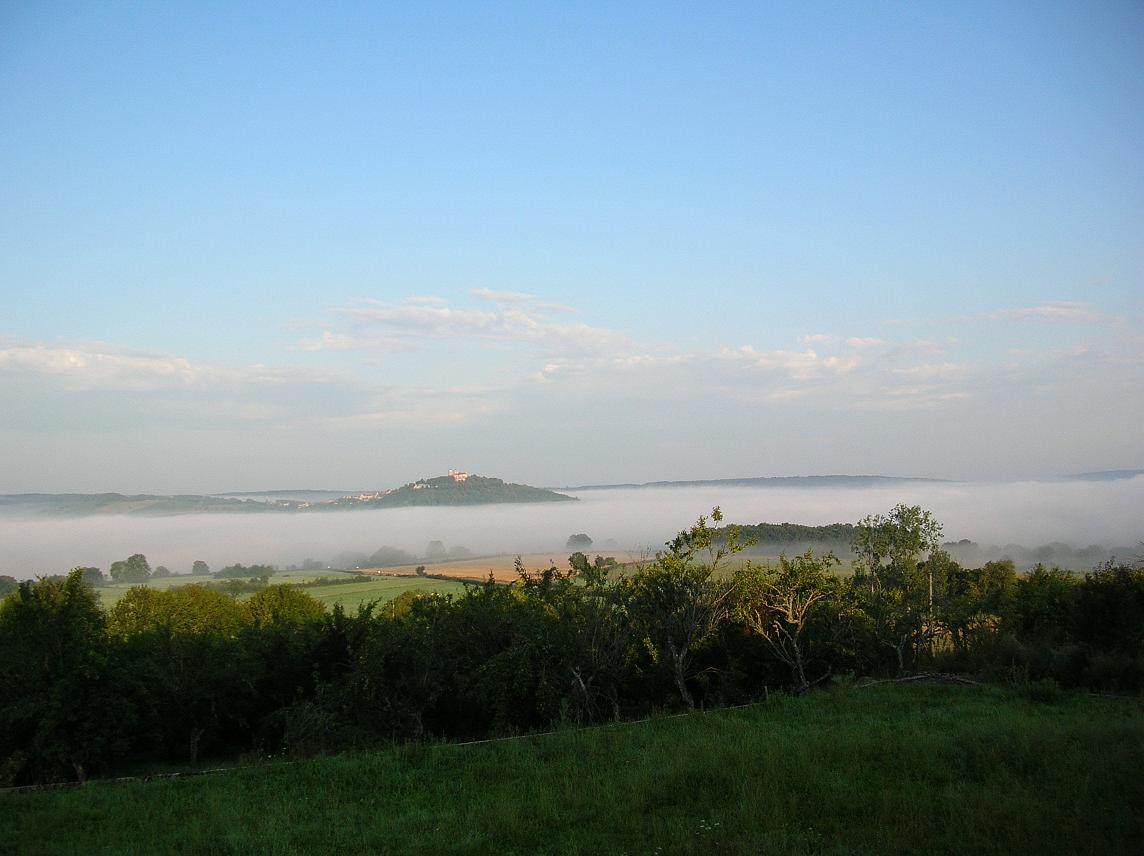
(624, 522)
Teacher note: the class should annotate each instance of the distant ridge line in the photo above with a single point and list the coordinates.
(776, 481)
(1106, 475)
(280, 492)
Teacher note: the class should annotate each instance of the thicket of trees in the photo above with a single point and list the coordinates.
(179, 674)
(134, 569)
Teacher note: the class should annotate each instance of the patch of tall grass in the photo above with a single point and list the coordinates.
(887, 769)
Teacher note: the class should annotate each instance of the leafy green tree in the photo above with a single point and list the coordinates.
(899, 595)
(898, 539)
(91, 576)
(598, 643)
(579, 541)
(161, 572)
(1042, 607)
(1108, 613)
(182, 609)
(195, 674)
(239, 570)
(595, 573)
(402, 605)
(60, 716)
(581, 633)
(8, 585)
(677, 603)
(777, 603)
(283, 605)
(976, 600)
(133, 569)
(282, 637)
(200, 568)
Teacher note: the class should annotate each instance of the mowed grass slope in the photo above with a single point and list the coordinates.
(885, 769)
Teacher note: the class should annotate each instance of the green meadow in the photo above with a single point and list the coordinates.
(889, 769)
(350, 590)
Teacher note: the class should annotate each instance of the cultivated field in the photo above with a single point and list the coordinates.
(502, 568)
(369, 584)
(363, 585)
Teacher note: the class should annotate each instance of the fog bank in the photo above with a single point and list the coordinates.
(636, 520)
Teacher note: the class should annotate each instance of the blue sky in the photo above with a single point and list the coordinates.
(351, 246)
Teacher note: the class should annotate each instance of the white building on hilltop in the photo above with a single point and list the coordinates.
(458, 476)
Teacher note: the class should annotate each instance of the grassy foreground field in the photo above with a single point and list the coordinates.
(883, 769)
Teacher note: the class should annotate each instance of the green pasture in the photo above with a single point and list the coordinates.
(890, 769)
(352, 590)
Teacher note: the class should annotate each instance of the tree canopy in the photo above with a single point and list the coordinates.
(133, 569)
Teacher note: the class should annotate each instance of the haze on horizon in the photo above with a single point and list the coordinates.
(626, 523)
(266, 248)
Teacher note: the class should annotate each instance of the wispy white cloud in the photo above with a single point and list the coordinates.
(502, 296)
(519, 297)
(942, 371)
(537, 357)
(426, 300)
(1048, 311)
(849, 377)
(512, 318)
(1054, 310)
(100, 366)
(797, 365)
(1061, 310)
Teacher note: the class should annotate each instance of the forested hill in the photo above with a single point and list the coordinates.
(474, 490)
(80, 504)
(791, 533)
(793, 538)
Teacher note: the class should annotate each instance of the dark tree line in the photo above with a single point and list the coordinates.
(178, 675)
